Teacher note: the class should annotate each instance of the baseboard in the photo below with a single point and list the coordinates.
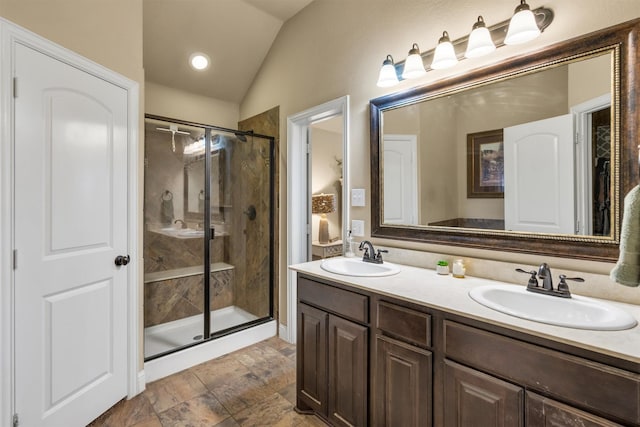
(283, 333)
(176, 362)
(142, 383)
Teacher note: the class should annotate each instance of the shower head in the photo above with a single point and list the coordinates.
(173, 129)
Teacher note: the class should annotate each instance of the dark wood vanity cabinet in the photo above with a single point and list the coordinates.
(499, 381)
(403, 373)
(367, 359)
(472, 398)
(332, 353)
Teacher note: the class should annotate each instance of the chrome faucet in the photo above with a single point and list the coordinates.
(544, 273)
(370, 254)
(183, 224)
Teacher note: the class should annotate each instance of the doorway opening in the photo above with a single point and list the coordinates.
(299, 192)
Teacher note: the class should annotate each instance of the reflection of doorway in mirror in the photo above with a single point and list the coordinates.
(593, 165)
(400, 177)
(325, 162)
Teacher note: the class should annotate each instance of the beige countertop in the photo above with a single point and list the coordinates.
(449, 294)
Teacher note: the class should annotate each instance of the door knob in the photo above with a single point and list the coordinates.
(122, 260)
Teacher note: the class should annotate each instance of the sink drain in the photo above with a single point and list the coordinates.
(197, 338)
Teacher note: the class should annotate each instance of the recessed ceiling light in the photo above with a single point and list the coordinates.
(199, 61)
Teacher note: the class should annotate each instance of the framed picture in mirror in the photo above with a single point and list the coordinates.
(485, 164)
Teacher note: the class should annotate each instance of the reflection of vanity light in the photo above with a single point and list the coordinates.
(197, 147)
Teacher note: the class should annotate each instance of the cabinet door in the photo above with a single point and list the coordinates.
(403, 385)
(347, 373)
(312, 359)
(544, 412)
(473, 399)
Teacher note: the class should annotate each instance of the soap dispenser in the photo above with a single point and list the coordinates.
(348, 246)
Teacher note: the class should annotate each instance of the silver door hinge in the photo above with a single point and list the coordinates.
(16, 420)
(15, 87)
(15, 259)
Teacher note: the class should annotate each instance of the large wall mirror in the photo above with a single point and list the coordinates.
(533, 155)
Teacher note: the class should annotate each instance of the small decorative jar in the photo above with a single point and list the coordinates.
(458, 268)
(442, 267)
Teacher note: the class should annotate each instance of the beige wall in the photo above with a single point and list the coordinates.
(176, 104)
(334, 48)
(582, 86)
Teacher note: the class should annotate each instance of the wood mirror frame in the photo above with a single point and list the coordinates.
(623, 40)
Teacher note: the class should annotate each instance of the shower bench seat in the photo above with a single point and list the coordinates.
(177, 273)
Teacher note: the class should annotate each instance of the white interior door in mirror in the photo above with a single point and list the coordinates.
(539, 194)
(400, 179)
(70, 224)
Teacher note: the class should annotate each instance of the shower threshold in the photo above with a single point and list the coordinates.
(178, 333)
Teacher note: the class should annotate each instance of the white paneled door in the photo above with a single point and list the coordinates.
(400, 179)
(539, 186)
(70, 225)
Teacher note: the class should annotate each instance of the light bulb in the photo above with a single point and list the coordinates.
(445, 55)
(413, 66)
(480, 42)
(523, 26)
(388, 76)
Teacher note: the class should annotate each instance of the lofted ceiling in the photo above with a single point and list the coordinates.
(235, 34)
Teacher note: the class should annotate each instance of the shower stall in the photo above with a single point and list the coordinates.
(208, 233)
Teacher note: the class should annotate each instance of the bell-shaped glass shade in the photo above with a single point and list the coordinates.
(445, 55)
(388, 76)
(413, 65)
(522, 26)
(480, 42)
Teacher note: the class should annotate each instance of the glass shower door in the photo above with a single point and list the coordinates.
(241, 222)
(173, 236)
(208, 239)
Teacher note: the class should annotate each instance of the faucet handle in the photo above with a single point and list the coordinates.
(563, 288)
(379, 254)
(533, 280)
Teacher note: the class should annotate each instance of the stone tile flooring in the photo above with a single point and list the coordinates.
(255, 386)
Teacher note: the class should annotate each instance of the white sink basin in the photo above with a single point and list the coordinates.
(357, 267)
(576, 312)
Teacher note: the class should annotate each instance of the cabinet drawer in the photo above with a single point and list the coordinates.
(543, 412)
(404, 323)
(344, 303)
(575, 380)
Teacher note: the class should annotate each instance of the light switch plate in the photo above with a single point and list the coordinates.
(357, 228)
(357, 197)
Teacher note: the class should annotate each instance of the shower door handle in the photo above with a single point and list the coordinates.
(122, 260)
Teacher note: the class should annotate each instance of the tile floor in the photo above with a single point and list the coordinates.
(254, 386)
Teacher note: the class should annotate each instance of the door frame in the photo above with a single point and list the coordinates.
(10, 35)
(582, 129)
(298, 227)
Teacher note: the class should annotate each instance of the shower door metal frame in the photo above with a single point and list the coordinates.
(207, 335)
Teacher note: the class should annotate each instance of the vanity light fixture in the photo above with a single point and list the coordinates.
(199, 61)
(413, 66)
(388, 76)
(523, 26)
(480, 42)
(445, 55)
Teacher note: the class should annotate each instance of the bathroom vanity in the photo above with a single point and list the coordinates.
(413, 349)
